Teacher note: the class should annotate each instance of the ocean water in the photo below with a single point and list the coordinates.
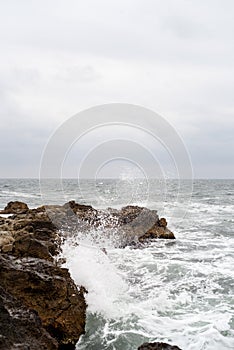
(180, 291)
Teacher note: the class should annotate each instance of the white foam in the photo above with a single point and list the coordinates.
(20, 194)
(91, 268)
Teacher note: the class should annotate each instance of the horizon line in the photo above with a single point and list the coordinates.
(115, 178)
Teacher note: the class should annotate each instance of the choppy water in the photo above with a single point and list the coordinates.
(179, 291)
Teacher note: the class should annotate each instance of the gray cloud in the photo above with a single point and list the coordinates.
(175, 57)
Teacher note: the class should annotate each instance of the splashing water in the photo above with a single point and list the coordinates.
(90, 267)
(180, 292)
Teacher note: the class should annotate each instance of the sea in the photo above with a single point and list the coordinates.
(176, 291)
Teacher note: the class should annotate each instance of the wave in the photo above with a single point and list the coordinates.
(19, 194)
(90, 267)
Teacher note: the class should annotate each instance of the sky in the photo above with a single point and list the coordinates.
(175, 57)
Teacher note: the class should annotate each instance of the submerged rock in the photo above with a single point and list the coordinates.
(157, 346)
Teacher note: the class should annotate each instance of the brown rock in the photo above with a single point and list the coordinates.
(131, 223)
(158, 346)
(162, 222)
(15, 208)
(157, 232)
(7, 248)
(31, 247)
(28, 272)
(6, 241)
(77, 207)
(30, 239)
(21, 328)
(50, 291)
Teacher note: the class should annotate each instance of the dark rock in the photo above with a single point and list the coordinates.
(32, 277)
(140, 224)
(15, 208)
(48, 290)
(133, 223)
(31, 247)
(162, 222)
(158, 346)
(30, 234)
(32, 280)
(78, 207)
(157, 232)
(6, 241)
(129, 213)
(20, 327)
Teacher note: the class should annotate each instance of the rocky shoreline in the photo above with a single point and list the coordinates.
(40, 305)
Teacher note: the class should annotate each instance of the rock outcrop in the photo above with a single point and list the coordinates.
(15, 207)
(21, 327)
(48, 290)
(132, 224)
(158, 346)
(41, 307)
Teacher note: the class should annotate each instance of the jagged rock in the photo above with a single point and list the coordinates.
(28, 246)
(141, 223)
(157, 232)
(20, 327)
(162, 222)
(30, 275)
(78, 207)
(30, 234)
(49, 290)
(158, 346)
(7, 248)
(15, 208)
(133, 223)
(31, 279)
(6, 241)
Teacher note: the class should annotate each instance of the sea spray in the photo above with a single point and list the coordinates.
(90, 267)
(180, 291)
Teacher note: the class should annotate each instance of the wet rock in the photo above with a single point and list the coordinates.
(162, 222)
(129, 213)
(131, 223)
(32, 278)
(143, 223)
(157, 231)
(31, 247)
(48, 290)
(76, 207)
(6, 241)
(31, 235)
(20, 327)
(15, 207)
(7, 248)
(158, 346)
(33, 284)
(140, 224)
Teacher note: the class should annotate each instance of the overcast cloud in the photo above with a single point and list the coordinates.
(175, 57)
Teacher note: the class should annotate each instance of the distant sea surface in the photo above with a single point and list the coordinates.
(177, 291)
